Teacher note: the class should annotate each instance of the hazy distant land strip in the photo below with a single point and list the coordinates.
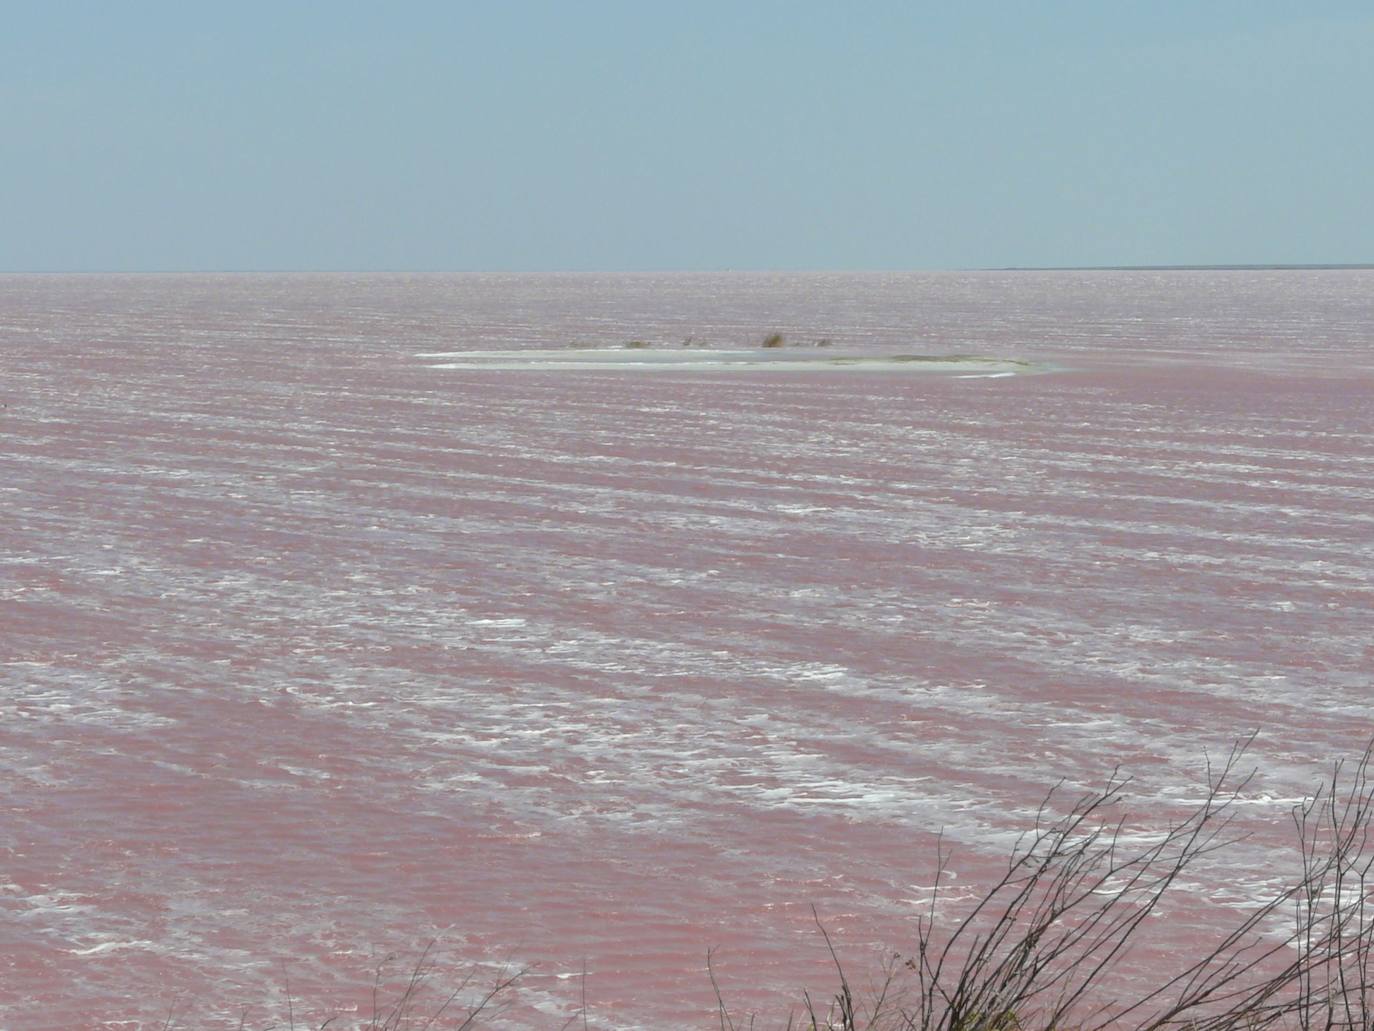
(1179, 268)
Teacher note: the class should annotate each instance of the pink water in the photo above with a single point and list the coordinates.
(310, 652)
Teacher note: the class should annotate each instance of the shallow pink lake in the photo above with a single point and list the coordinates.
(311, 652)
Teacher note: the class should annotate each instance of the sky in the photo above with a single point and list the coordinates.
(467, 136)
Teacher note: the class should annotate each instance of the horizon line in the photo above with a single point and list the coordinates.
(1184, 267)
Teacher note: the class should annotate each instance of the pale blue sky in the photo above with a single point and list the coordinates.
(702, 135)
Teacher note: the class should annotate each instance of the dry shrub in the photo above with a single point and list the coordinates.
(1044, 946)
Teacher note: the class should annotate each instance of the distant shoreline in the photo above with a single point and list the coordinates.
(680, 271)
(1174, 268)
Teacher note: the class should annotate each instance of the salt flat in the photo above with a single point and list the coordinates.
(311, 651)
(636, 359)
